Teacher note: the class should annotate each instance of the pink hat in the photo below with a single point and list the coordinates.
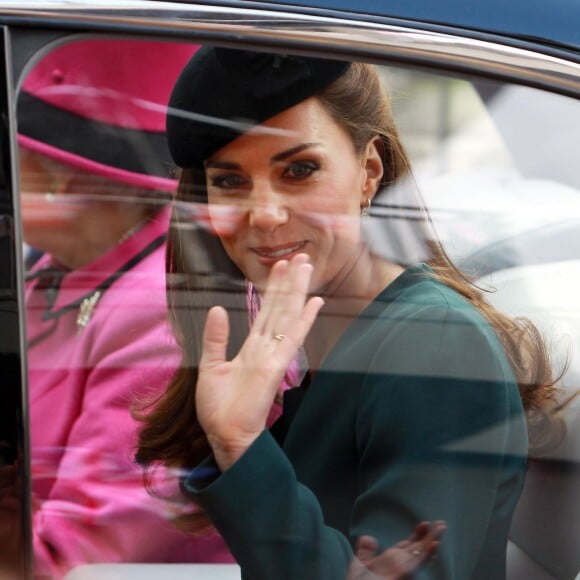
(100, 106)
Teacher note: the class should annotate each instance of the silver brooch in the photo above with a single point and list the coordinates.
(86, 309)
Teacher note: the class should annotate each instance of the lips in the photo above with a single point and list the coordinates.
(281, 252)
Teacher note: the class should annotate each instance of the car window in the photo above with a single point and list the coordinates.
(492, 186)
(477, 150)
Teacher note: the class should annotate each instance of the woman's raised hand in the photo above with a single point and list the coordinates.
(233, 398)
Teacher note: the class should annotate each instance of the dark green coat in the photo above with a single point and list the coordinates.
(414, 415)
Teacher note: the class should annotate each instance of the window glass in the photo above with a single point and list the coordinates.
(427, 245)
(493, 165)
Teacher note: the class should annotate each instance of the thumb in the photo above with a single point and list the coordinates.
(215, 337)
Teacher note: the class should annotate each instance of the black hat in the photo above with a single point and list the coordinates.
(222, 93)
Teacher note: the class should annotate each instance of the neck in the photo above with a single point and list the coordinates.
(363, 281)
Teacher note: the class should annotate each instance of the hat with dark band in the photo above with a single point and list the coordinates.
(100, 106)
(223, 92)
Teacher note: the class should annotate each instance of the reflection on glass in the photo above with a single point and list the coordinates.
(95, 186)
(415, 390)
(400, 393)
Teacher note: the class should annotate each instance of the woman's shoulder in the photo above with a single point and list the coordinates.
(418, 294)
(426, 323)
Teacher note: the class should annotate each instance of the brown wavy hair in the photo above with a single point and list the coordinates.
(201, 275)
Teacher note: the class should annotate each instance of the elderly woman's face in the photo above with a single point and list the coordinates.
(59, 203)
(293, 185)
(43, 181)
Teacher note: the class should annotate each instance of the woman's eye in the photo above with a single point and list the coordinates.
(300, 169)
(227, 181)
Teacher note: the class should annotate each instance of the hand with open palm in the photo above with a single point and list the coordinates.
(233, 397)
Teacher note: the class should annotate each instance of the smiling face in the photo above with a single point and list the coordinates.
(293, 185)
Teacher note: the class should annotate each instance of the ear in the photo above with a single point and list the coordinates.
(372, 166)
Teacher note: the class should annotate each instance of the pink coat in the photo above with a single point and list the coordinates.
(89, 504)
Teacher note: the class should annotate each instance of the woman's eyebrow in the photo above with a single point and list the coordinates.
(292, 151)
(211, 164)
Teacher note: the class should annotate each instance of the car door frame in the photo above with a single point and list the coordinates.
(25, 32)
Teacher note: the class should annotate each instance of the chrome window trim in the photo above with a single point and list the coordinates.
(278, 28)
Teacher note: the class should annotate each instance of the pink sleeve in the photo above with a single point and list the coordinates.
(98, 509)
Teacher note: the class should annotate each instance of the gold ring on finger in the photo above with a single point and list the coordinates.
(279, 337)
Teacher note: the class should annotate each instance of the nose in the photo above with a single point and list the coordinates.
(267, 210)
